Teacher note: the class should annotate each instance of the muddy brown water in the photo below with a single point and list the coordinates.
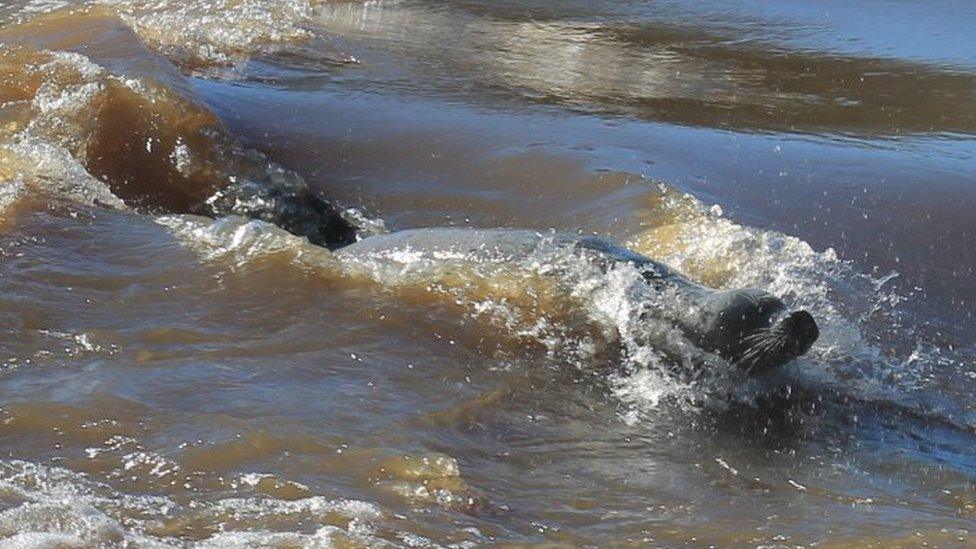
(180, 365)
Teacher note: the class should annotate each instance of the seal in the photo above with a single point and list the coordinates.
(750, 328)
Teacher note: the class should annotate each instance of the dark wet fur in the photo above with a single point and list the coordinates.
(294, 208)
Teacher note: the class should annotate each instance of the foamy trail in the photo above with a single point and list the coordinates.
(237, 241)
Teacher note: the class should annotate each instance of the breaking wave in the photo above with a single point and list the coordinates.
(198, 35)
(99, 129)
(544, 294)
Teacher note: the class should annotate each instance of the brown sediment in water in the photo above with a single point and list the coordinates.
(138, 144)
(77, 423)
(670, 242)
(428, 478)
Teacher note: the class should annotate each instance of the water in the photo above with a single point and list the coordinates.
(177, 368)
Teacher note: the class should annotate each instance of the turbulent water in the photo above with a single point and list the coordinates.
(185, 359)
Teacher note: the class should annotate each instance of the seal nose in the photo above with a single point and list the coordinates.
(802, 326)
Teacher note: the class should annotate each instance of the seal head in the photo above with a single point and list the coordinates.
(753, 329)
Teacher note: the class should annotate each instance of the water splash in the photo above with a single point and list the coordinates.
(44, 504)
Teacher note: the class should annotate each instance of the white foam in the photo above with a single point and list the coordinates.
(44, 6)
(46, 150)
(239, 241)
(841, 298)
(44, 505)
(221, 32)
(322, 538)
(55, 171)
(10, 192)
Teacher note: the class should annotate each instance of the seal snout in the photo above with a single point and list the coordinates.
(802, 326)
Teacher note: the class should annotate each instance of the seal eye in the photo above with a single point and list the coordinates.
(767, 306)
(746, 311)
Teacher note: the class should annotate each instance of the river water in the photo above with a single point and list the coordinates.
(184, 361)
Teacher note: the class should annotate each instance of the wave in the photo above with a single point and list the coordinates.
(226, 32)
(541, 294)
(870, 349)
(238, 241)
(119, 125)
(198, 35)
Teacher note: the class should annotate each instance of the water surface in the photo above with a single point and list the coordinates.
(181, 365)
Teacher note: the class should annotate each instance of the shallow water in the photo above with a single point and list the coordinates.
(176, 367)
